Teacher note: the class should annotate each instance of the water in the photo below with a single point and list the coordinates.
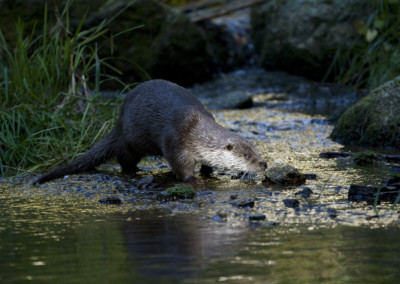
(60, 233)
(75, 242)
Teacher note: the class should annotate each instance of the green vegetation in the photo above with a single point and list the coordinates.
(181, 191)
(376, 59)
(50, 107)
(367, 158)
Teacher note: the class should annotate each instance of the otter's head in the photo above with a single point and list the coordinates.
(235, 153)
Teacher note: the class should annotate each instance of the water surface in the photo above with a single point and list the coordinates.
(73, 242)
(60, 233)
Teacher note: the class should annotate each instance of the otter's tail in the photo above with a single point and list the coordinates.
(97, 155)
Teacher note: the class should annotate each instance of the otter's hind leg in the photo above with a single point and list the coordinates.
(128, 159)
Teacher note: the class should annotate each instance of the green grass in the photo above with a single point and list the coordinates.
(376, 59)
(50, 103)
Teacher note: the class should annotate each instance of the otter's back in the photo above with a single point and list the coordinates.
(153, 108)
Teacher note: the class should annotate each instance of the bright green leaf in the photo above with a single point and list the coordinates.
(371, 35)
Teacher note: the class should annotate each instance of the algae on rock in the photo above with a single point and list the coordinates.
(374, 120)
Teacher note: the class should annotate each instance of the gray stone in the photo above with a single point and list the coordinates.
(374, 120)
(302, 36)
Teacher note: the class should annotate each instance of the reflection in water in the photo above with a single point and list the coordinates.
(57, 240)
(179, 247)
(190, 250)
(70, 240)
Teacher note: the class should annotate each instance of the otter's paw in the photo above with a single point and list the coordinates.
(189, 179)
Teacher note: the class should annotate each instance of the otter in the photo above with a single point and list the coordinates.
(161, 118)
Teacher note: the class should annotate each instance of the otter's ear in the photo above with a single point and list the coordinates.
(229, 147)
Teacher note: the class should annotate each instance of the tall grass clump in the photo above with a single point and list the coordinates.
(50, 109)
(376, 59)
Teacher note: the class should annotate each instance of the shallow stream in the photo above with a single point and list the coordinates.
(60, 232)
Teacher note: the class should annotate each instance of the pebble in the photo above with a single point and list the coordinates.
(110, 200)
(291, 203)
(257, 217)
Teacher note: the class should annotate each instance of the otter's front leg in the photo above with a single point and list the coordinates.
(206, 171)
(182, 166)
(183, 170)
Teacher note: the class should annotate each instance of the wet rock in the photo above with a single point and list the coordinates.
(233, 196)
(229, 42)
(393, 181)
(144, 182)
(305, 193)
(110, 200)
(332, 155)
(257, 217)
(283, 174)
(205, 192)
(279, 90)
(291, 203)
(362, 192)
(369, 218)
(263, 224)
(332, 213)
(247, 203)
(232, 100)
(389, 191)
(374, 120)
(310, 176)
(222, 214)
(301, 37)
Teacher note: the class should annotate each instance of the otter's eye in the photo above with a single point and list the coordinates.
(247, 156)
(229, 147)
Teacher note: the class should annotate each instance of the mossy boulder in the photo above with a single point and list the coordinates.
(374, 120)
(301, 37)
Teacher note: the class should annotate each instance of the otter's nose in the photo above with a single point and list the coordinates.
(263, 165)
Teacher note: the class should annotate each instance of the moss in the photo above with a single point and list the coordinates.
(181, 191)
(366, 158)
(374, 120)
